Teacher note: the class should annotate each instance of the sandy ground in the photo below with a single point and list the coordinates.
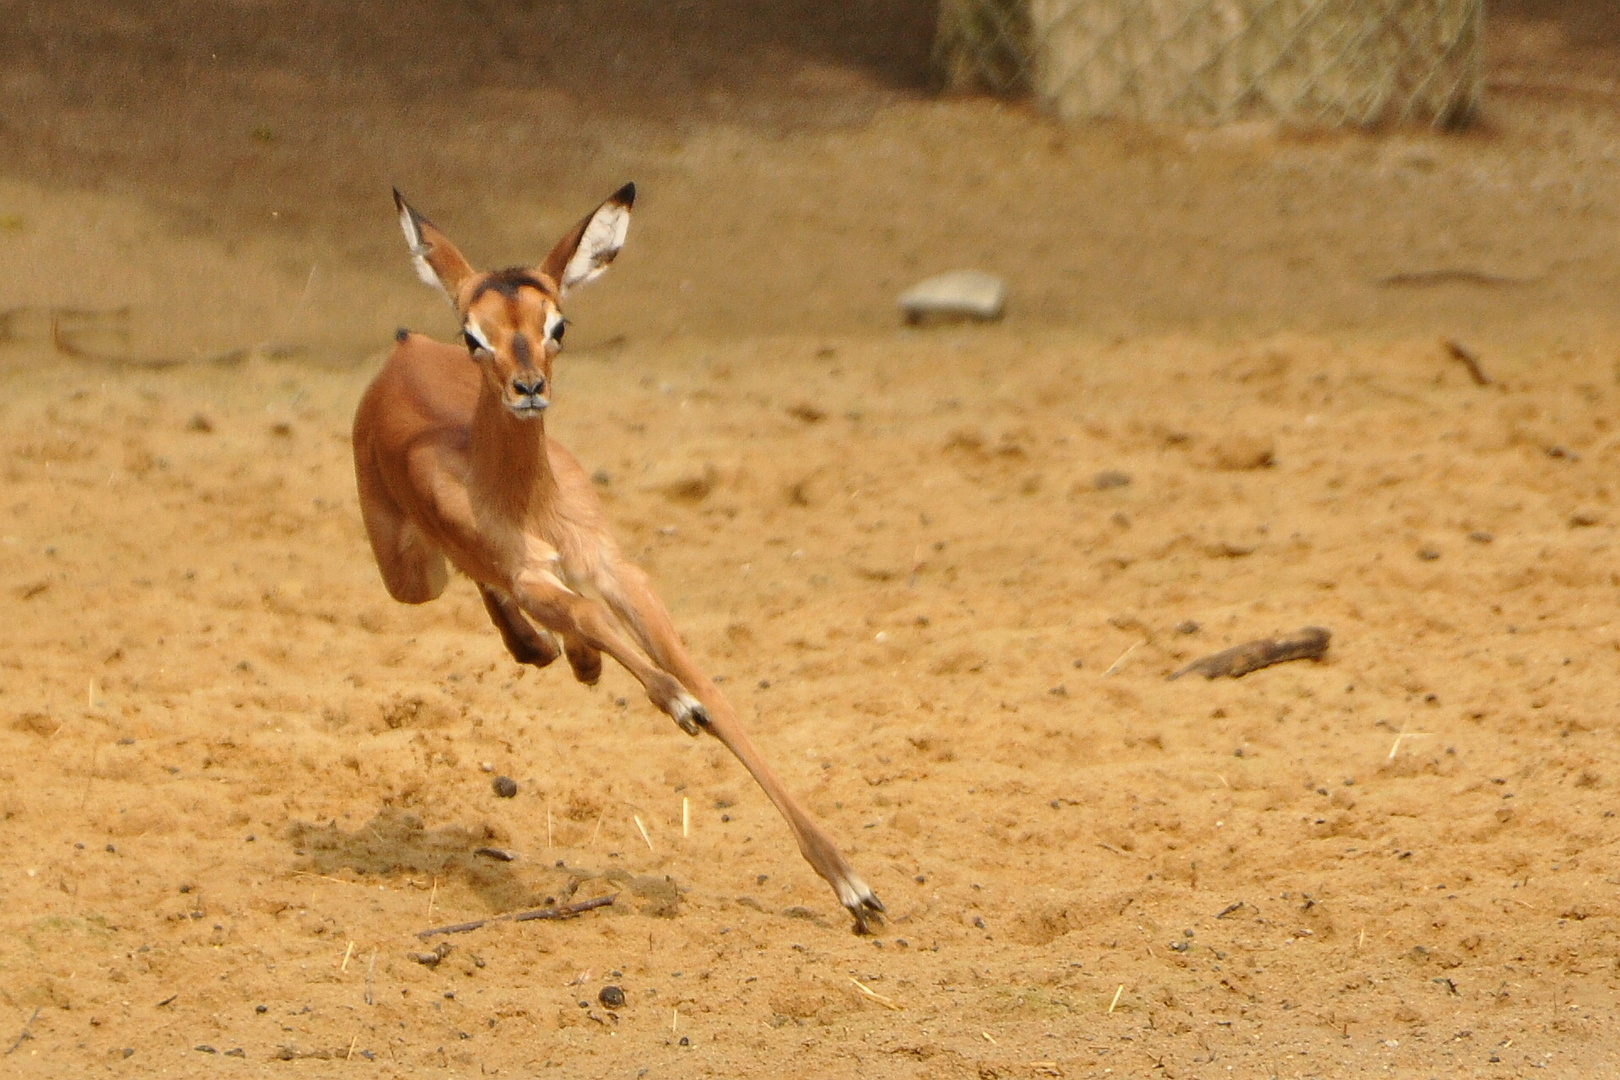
(236, 779)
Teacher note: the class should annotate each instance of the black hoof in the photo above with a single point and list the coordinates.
(867, 912)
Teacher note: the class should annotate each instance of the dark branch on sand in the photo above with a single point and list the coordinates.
(1307, 644)
(560, 911)
(1465, 356)
(25, 1034)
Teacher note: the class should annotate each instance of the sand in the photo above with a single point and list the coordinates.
(943, 572)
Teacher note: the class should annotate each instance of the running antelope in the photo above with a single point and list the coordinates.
(453, 463)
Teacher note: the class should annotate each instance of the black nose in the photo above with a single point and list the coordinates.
(530, 387)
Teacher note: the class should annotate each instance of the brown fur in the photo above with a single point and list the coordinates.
(448, 471)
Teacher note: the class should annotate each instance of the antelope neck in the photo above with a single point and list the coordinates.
(511, 473)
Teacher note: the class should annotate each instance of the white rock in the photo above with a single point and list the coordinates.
(970, 293)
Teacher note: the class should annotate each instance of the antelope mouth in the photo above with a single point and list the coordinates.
(528, 408)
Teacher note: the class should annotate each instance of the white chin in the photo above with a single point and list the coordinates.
(527, 412)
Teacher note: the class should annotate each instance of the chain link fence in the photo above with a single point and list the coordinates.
(1314, 63)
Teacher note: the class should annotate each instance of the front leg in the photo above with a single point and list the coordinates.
(526, 644)
(588, 630)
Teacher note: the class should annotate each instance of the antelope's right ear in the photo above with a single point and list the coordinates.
(436, 259)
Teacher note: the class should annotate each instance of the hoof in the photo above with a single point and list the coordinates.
(860, 901)
(690, 715)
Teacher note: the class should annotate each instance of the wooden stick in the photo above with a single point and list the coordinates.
(1466, 357)
(1122, 656)
(1307, 644)
(561, 911)
(873, 995)
(25, 1034)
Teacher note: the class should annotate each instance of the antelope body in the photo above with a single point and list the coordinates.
(454, 466)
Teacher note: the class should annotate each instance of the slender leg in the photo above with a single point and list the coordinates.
(580, 619)
(526, 644)
(625, 588)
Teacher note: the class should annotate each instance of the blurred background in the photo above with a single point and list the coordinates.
(221, 169)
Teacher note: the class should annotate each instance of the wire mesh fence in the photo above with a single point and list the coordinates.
(1315, 63)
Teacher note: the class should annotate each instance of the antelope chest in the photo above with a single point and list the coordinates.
(546, 557)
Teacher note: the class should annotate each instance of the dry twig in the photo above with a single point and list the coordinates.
(561, 911)
(1307, 644)
(25, 1034)
(1466, 357)
(873, 995)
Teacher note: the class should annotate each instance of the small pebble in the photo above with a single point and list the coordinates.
(1110, 478)
(611, 997)
(685, 1041)
(505, 786)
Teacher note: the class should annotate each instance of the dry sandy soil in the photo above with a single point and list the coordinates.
(236, 779)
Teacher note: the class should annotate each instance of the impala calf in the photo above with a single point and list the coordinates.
(454, 465)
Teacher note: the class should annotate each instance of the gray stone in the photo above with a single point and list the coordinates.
(970, 294)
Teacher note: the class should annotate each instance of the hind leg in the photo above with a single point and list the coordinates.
(413, 569)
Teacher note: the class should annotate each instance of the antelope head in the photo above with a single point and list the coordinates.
(511, 320)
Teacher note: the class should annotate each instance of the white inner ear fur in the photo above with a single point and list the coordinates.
(603, 238)
(413, 237)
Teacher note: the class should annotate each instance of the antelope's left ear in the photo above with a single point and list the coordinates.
(590, 246)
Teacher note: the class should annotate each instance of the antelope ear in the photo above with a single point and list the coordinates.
(590, 246)
(436, 259)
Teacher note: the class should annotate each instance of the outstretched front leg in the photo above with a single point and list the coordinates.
(588, 630)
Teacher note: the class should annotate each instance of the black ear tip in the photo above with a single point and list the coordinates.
(626, 195)
(399, 200)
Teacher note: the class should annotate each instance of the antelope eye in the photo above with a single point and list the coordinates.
(472, 342)
(557, 331)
